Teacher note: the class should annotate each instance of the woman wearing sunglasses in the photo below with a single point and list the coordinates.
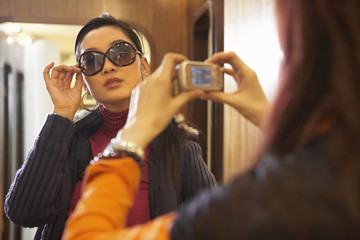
(46, 188)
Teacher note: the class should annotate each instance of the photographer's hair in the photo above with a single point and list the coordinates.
(106, 19)
(320, 77)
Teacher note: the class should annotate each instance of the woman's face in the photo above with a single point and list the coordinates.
(113, 84)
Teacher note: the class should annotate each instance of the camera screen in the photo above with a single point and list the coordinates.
(201, 76)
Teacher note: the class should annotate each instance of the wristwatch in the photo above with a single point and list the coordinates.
(118, 148)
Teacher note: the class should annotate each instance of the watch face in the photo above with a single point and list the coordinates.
(119, 149)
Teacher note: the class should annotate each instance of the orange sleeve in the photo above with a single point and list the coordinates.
(109, 190)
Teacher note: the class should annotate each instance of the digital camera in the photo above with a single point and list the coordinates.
(192, 75)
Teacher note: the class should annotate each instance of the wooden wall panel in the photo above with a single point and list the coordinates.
(165, 23)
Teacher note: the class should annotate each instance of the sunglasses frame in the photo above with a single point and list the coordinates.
(106, 55)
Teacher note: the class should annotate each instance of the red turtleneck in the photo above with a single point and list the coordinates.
(113, 122)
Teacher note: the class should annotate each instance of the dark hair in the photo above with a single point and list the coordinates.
(107, 20)
(320, 74)
(169, 145)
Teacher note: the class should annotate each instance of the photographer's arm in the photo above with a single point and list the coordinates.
(156, 110)
(111, 186)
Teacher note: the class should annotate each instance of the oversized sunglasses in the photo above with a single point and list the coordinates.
(121, 54)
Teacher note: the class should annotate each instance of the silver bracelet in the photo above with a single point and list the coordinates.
(120, 148)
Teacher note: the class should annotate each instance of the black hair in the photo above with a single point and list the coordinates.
(107, 20)
(170, 143)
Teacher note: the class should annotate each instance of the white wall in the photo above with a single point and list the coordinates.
(11, 55)
(37, 100)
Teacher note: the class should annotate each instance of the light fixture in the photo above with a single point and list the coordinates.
(24, 39)
(11, 28)
(10, 40)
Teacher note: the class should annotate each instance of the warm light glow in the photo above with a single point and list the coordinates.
(24, 39)
(258, 46)
(11, 28)
(10, 40)
(15, 34)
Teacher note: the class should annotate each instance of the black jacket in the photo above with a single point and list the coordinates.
(42, 190)
(301, 195)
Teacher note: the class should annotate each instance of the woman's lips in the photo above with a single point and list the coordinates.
(113, 82)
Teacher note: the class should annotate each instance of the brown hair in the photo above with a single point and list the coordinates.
(320, 73)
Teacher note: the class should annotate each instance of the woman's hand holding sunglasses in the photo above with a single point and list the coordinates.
(66, 99)
(153, 103)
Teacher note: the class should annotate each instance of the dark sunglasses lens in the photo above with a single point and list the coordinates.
(122, 54)
(91, 62)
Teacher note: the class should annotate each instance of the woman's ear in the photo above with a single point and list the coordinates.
(145, 68)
